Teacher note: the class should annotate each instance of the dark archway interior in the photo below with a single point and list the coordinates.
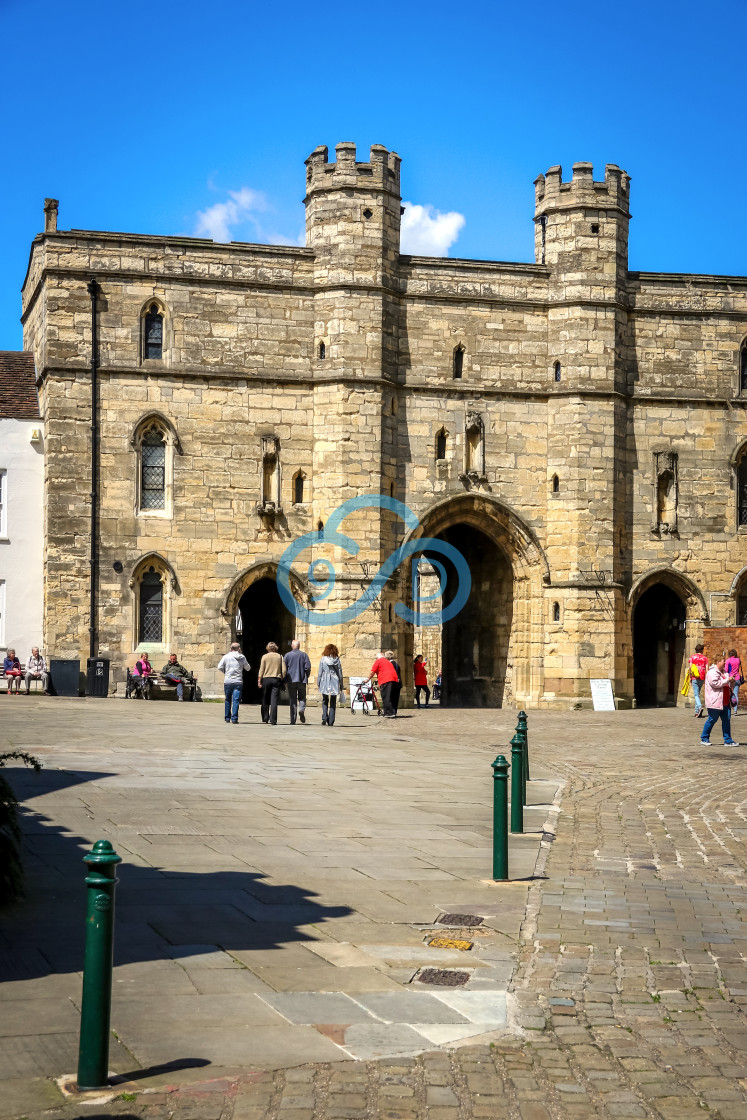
(474, 645)
(264, 619)
(658, 647)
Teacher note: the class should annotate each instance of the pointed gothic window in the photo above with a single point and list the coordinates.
(153, 340)
(153, 470)
(298, 494)
(742, 489)
(556, 371)
(743, 367)
(150, 628)
(458, 361)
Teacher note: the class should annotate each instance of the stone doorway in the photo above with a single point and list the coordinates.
(262, 617)
(658, 647)
(472, 650)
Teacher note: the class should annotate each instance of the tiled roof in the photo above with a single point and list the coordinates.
(18, 398)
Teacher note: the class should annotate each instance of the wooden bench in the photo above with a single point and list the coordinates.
(141, 688)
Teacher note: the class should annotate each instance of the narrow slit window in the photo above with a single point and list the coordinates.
(458, 362)
(555, 484)
(320, 529)
(153, 333)
(556, 371)
(322, 350)
(441, 445)
(556, 612)
(298, 482)
(743, 367)
(153, 470)
(150, 627)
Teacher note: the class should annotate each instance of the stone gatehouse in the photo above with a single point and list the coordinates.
(576, 430)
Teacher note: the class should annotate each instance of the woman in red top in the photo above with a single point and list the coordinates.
(421, 680)
(387, 677)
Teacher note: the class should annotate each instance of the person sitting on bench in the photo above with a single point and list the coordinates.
(176, 674)
(36, 670)
(142, 673)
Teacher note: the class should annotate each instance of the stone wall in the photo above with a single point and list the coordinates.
(566, 469)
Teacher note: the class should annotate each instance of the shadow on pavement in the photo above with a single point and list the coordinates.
(156, 1071)
(156, 910)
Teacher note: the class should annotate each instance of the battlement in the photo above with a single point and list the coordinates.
(551, 193)
(380, 173)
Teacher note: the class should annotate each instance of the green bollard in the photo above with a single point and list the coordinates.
(500, 818)
(517, 777)
(522, 726)
(95, 1015)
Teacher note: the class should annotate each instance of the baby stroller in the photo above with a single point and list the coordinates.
(365, 694)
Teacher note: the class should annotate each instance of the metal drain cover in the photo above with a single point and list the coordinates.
(442, 977)
(464, 921)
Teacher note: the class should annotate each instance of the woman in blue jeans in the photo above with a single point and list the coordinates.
(718, 702)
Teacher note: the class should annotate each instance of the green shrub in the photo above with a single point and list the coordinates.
(11, 869)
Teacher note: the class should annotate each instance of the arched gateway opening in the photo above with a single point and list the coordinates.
(472, 649)
(257, 616)
(658, 646)
(486, 652)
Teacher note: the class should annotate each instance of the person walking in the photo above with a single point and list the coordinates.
(233, 665)
(387, 678)
(397, 689)
(329, 681)
(299, 669)
(12, 671)
(698, 667)
(421, 680)
(272, 673)
(717, 699)
(733, 667)
(36, 670)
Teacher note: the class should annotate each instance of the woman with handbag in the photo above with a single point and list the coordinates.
(734, 668)
(329, 681)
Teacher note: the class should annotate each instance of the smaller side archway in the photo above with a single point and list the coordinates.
(257, 615)
(663, 602)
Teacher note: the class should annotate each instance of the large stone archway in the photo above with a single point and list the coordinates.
(492, 651)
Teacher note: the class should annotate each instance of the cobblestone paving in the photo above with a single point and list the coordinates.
(630, 986)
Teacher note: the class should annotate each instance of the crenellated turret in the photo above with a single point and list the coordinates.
(583, 217)
(353, 214)
(381, 172)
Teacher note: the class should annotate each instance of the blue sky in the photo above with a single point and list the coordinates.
(145, 117)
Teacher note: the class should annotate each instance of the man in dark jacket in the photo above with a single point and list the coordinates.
(176, 674)
(299, 667)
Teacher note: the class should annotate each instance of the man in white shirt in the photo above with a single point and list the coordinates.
(233, 665)
(36, 670)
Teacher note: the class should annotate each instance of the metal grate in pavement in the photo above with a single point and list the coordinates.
(462, 920)
(442, 977)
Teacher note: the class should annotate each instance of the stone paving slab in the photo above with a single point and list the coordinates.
(628, 992)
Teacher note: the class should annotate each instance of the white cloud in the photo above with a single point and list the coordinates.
(218, 221)
(427, 232)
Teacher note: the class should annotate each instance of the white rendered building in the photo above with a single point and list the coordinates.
(21, 507)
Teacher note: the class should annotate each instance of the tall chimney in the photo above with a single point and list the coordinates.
(50, 215)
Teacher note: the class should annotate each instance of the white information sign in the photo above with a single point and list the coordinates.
(353, 682)
(601, 695)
